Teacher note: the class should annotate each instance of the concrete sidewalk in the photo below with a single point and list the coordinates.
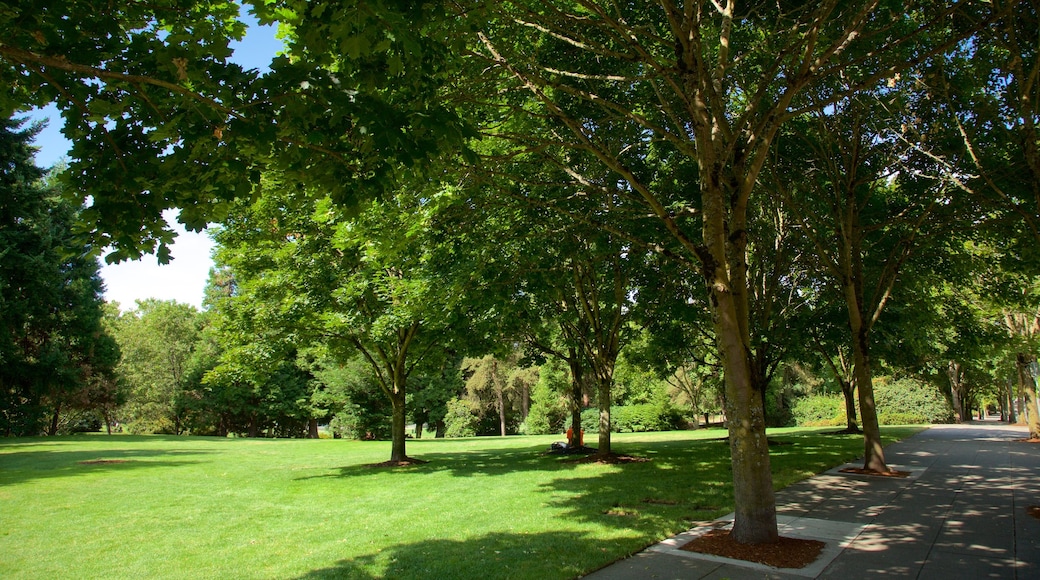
(962, 513)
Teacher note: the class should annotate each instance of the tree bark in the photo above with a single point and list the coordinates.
(312, 428)
(1009, 394)
(397, 427)
(399, 377)
(953, 371)
(848, 390)
(755, 516)
(53, 429)
(873, 450)
(725, 272)
(604, 384)
(851, 281)
(577, 378)
(1027, 384)
(500, 403)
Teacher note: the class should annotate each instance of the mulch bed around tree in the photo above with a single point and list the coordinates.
(611, 459)
(1034, 510)
(102, 461)
(1026, 440)
(785, 553)
(563, 449)
(875, 473)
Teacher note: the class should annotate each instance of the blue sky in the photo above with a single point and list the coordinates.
(184, 278)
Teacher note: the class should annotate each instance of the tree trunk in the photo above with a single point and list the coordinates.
(312, 428)
(848, 390)
(397, 426)
(1009, 394)
(873, 450)
(500, 403)
(53, 429)
(1027, 384)
(957, 395)
(577, 379)
(755, 517)
(604, 416)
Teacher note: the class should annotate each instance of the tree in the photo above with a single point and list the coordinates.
(877, 211)
(488, 378)
(55, 354)
(153, 106)
(313, 274)
(157, 340)
(714, 83)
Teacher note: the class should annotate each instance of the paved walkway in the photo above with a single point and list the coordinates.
(963, 513)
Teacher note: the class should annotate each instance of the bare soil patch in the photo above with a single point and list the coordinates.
(845, 431)
(785, 553)
(770, 442)
(103, 461)
(406, 462)
(1026, 440)
(875, 473)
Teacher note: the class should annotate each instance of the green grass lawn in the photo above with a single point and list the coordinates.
(96, 506)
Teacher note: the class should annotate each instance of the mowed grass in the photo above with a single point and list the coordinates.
(96, 506)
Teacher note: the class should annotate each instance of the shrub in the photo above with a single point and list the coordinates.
(819, 411)
(636, 418)
(548, 411)
(902, 401)
(778, 409)
(357, 422)
(462, 419)
(908, 401)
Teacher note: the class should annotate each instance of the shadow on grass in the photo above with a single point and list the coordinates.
(484, 461)
(497, 555)
(23, 466)
(822, 452)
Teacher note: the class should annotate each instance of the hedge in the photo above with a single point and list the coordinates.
(636, 419)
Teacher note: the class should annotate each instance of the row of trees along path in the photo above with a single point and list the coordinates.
(664, 115)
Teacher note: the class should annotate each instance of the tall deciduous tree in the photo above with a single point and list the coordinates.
(860, 199)
(157, 340)
(363, 283)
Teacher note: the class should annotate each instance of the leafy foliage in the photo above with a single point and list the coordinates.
(819, 411)
(905, 401)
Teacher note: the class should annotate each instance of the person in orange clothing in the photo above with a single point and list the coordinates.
(570, 437)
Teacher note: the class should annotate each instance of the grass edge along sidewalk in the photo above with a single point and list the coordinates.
(183, 507)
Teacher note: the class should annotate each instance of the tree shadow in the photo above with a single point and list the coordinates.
(483, 461)
(489, 557)
(23, 466)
